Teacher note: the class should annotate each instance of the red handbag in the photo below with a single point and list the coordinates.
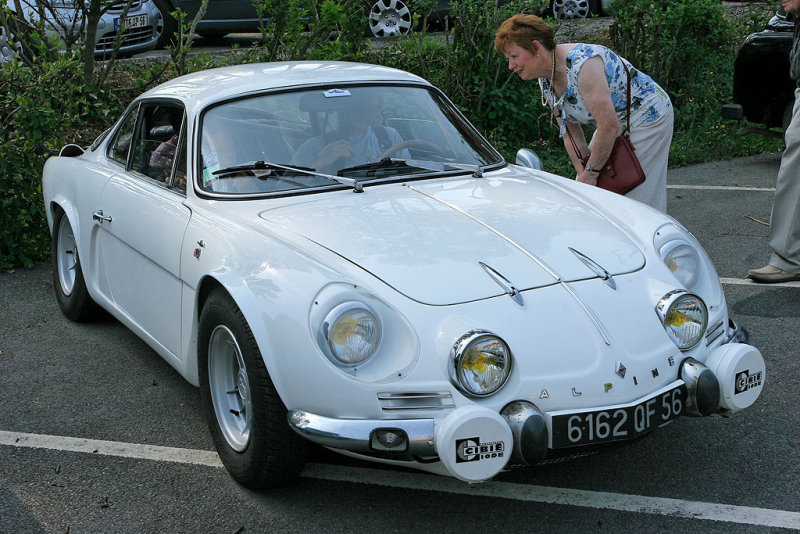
(622, 172)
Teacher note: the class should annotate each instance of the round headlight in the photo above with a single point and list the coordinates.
(481, 363)
(353, 333)
(683, 261)
(684, 317)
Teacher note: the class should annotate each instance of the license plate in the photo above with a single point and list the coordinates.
(573, 429)
(136, 21)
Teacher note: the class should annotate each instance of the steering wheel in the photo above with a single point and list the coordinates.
(418, 143)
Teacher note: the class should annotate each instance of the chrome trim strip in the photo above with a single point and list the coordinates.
(503, 282)
(414, 401)
(354, 434)
(595, 267)
(713, 333)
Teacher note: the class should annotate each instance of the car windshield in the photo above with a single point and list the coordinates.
(330, 137)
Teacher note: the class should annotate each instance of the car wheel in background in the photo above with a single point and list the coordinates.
(167, 26)
(68, 282)
(246, 416)
(388, 18)
(574, 9)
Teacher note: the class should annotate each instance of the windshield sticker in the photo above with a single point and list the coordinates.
(333, 93)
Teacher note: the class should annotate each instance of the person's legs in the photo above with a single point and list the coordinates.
(652, 149)
(784, 234)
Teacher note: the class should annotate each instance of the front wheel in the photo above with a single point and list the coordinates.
(246, 416)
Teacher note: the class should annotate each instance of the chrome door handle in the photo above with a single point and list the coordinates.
(98, 216)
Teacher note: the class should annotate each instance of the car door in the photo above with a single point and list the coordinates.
(142, 218)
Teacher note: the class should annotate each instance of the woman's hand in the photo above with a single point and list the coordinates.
(588, 177)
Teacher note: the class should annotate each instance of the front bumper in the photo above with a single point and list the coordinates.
(474, 443)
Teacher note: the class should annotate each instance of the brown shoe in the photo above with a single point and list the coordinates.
(771, 275)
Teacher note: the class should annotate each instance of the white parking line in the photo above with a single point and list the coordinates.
(744, 515)
(722, 187)
(748, 282)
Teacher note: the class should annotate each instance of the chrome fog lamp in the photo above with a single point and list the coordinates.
(684, 317)
(352, 332)
(480, 363)
(683, 261)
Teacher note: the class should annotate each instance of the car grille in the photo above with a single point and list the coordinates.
(130, 37)
(415, 401)
(120, 6)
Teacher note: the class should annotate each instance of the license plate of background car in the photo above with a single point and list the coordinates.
(573, 429)
(137, 21)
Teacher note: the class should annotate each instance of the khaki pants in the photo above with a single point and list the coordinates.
(784, 232)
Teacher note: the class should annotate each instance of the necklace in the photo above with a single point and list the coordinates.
(551, 82)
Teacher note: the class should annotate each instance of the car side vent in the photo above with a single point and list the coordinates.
(415, 401)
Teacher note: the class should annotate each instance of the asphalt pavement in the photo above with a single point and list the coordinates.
(99, 434)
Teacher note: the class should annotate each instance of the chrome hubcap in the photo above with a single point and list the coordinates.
(571, 9)
(389, 17)
(230, 388)
(66, 257)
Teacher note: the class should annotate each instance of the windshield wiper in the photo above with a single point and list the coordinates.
(442, 166)
(279, 170)
(436, 166)
(385, 163)
(275, 170)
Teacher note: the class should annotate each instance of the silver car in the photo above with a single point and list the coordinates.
(141, 25)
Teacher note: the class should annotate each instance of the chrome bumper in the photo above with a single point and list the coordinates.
(361, 435)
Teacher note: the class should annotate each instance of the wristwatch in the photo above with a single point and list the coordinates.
(590, 168)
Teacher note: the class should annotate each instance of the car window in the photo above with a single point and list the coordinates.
(122, 141)
(333, 131)
(156, 140)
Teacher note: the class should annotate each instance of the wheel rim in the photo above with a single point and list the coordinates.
(571, 9)
(389, 17)
(230, 388)
(66, 257)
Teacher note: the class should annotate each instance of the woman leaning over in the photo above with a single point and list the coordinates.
(587, 84)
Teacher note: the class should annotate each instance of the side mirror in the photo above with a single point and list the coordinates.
(71, 151)
(528, 158)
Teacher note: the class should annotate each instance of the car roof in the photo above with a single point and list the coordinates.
(199, 89)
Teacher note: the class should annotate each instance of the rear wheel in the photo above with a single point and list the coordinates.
(245, 414)
(70, 287)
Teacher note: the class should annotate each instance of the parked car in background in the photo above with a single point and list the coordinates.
(334, 254)
(60, 17)
(386, 18)
(763, 92)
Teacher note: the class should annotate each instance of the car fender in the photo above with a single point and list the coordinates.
(269, 289)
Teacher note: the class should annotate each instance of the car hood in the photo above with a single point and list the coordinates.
(454, 241)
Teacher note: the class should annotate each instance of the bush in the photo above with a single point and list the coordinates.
(37, 108)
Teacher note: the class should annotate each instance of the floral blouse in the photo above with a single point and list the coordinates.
(648, 100)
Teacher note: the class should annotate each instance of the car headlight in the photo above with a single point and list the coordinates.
(682, 260)
(480, 363)
(353, 333)
(684, 317)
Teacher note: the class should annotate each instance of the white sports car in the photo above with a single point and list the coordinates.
(333, 254)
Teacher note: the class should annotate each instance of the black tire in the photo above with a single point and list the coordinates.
(167, 25)
(246, 416)
(68, 282)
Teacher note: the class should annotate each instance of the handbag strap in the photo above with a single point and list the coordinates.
(626, 131)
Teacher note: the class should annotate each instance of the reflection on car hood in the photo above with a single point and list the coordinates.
(428, 239)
